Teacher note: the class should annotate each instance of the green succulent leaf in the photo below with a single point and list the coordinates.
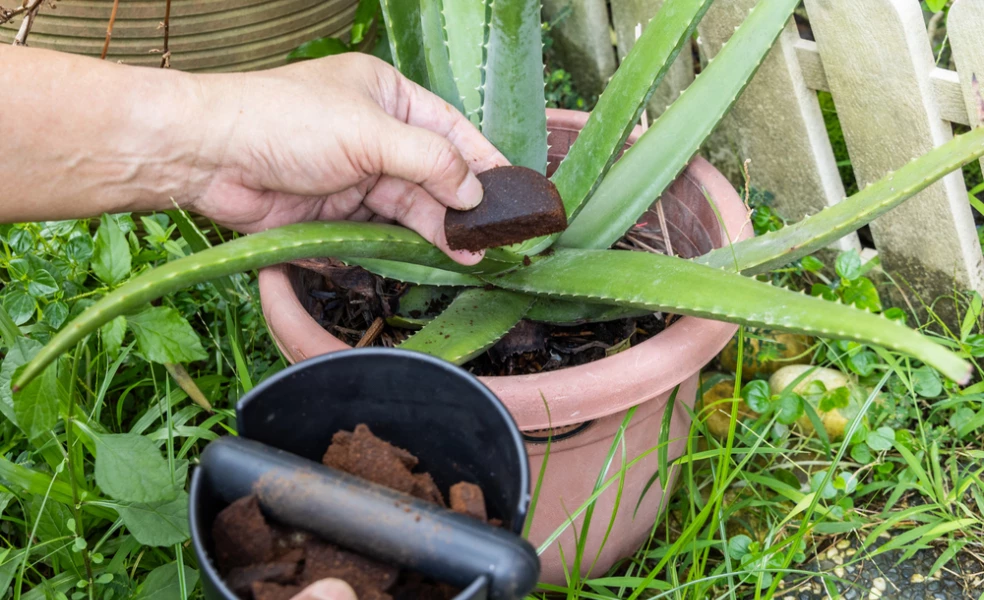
(474, 321)
(564, 312)
(778, 248)
(466, 27)
(405, 34)
(436, 54)
(284, 244)
(651, 165)
(513, 115)
(675, 285)
(619, 107)
(411, 273)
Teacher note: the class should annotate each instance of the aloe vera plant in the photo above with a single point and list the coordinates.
(494, 75)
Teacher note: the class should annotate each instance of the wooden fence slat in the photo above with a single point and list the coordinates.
(778, 124)
(627, 15)
(879, 65)
(965, 26)
(583, 40)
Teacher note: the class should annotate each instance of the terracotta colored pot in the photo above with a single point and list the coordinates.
(205, 35)
(588, 402)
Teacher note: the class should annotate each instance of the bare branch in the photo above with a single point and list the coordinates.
(166, 58)
(30, 10)
(109, 29)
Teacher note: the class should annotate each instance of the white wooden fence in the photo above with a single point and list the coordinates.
(894, 104)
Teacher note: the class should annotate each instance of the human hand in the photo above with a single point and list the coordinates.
(329, 589)
(346, 137)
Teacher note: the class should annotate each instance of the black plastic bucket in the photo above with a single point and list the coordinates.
(457, 428)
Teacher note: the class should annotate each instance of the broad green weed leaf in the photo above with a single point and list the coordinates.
(863, 294)
(158, 523)
(164, 336)
(881, 439)
(112, 336)
(162, 583)
(55, 314)
(848, 265)
(936, 5)
(926, 382)
(790, 408)
(738, 546)
(812, 264)
(757, 396)
(79, 250)
(19, 304)
(36, 406)
(129, 467)
(835, 398)
(111, 259)
(23, 351)
(41, 283)
(18, 268)
(816, 480)
(861, 454)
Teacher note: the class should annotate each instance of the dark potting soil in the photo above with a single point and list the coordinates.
(353, 299)
(261, 560)
(519, 204)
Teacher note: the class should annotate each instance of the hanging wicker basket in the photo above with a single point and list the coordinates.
(205, 35)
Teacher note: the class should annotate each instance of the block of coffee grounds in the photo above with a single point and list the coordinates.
(367, 577)
(364, 455)
(519, 204)
(468, 499)
(242, 536)
(425, 489)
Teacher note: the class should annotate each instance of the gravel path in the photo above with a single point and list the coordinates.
(853, 574)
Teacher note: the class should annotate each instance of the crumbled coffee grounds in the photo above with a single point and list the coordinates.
(267, 561)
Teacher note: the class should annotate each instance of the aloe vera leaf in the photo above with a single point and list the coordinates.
(513, 115)
(292, 242)
(657, 282)
(436, 54)
(653, 162)
(411, 273)
(474, 321)
(775, 249)
(404, 31)
(618, 109)
(566, 312)
(465, 28)
(197, 242)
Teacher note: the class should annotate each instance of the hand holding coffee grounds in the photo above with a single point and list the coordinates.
(260, 560)
(519, 204)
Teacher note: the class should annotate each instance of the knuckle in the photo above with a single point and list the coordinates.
(446, 163)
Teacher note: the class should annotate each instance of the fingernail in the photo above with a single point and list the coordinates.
(330, 589)
(470, 192)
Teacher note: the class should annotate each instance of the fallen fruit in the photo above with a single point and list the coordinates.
(519, 204)
(765, 352)
(835, 421)
(716, 403)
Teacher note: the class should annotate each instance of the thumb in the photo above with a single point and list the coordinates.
(328, 589)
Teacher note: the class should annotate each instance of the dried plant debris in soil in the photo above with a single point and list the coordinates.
(346, 300)
(261, 560)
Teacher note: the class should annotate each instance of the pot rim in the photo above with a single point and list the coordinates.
(575, 394)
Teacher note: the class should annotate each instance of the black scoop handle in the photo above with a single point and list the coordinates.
(370, 519)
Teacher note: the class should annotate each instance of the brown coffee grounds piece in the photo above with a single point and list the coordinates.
(425, 489)
(241, 535)
(241, 579)
(364, 455)
(366, 576)
(468, 499)
(519, 204)
(274, 591)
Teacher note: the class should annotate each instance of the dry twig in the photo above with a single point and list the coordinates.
(30, 11)
(109, 29)
(166, 57)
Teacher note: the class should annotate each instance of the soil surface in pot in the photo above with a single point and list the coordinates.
(262, 560)
(363, 309)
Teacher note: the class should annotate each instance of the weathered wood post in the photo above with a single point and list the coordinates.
(965, 26)
(627, 16)
(777, 123)
(878, 63)
(584, 42)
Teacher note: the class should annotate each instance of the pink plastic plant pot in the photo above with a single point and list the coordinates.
(589, 402)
